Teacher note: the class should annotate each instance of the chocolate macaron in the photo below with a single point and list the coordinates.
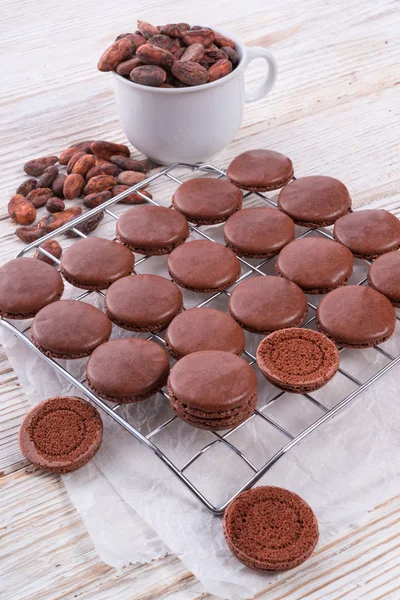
(270, 528)
(213, 390)
(368, 233)
(143, 302)
(69, 329)
(264, 304)
(384, 276)
(26, 286)
(207, 200)
(298, 360)
(152, 230)
(127, 370)
(95, 263)
(260, 170)
(61, 434)
(203, 266)
(315, 201)
(317, 265)
(203, 329)
(356, 316)
(259, 232)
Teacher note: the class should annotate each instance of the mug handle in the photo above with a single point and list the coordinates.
(267, 85)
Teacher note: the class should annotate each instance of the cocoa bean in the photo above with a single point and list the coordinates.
(136, 40)
(147, 30)
(133, 198)
(37, 166)
(73, 186)
(107, 149)
(39, 196)
(101, 161)
(103, 170)
(220, 69)
(21, 210)
(94, 200)
(220, 40)
(84, 146)
(232, 55)
(204, 64)
(152, 55)
(212, 56)
(99, 184)
(46, 180)
(122, 35)
(58, 185)
(27, 186)
(73, 160)
(53, 248)
(54, 205)
(53, 222)
(161, 41)
(79, 147)
(87, 226)
(130, 177)
(193, 53)
(172, 30)
(183, 26)
(212, 47)
(29, 234)
(130, 164)
(127, 66)
(179, 53)
(199, 36)
(84, 164)
(176, 44)
(148, 75)
(115, 54)
(190, 73)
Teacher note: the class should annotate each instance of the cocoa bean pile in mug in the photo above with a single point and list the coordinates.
(94, 172)
(170, 56)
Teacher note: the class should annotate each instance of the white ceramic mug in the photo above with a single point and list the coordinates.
(190, 124)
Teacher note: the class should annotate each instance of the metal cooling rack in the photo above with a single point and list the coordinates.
(150, 439)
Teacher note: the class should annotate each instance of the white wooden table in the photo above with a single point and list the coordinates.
(335, 111)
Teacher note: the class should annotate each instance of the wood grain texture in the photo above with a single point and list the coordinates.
(335, 110)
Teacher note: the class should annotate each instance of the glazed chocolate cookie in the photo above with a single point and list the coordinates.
(95, 263)
(264, 304)
(270, 528)
(213, 390)
(61, 434)
(26, 286)
(127, 370)
(368, 233)
(315, 201)
(152, 230)
(258, 232)
(260, 170)
(355, 316)
(203, 329)
(69, 329)
(143, 302)
(203, 266)
(317, 265)
(384, 276)
(205, 200)
(297, 360)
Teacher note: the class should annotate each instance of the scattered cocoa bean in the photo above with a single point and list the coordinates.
(27, 186)
(153, 55)
(39, 196)
(190, 73)
(179, 53)
(232, 55)
(21, 210)
(115, 54)
(79, 147)
(99, 184)
(173, 30)
(46, 180)
(73, 186)
(130, 164)
(37, 166)
(147, 30)
(220, 69)
(84, 164)
(199, 36)
(30, 233)
(220, 40)
(107, 149)
(54, 205)
(161, 41)
(133, 198)
(94, 200)
(87, 226)
(109, 169)
(73, 160)
(130, 177)
(193, 53)
(53, 222)
(53, 248)
(58, 185)
(127, 66)
(148, 75)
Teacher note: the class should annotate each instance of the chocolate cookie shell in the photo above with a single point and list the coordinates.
(270, 528)
(61, 434)
(317, 265)
(207, 200)
(384, 276)
(368, 233)
(297, 360)
(259, 232)
(143, 302)
(203, 266)
(95, 263)
(315, 201)
(152, 230)
(355, 316)
(127, 370)
(212, 390)
(26, 286)
(264, 304)
(260, 170)
(203, 329)
(69, 329)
